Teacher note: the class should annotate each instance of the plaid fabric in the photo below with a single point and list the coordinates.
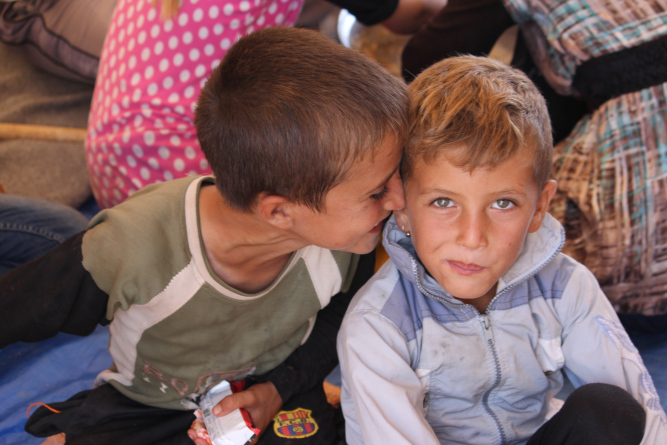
(577, 30)
(612, 169)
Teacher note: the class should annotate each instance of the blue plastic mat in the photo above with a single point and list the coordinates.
(49, 371)
(56, 369)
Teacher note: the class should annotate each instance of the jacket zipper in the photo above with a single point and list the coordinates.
(486, 328)
(488, 335)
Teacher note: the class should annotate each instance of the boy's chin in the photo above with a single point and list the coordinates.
(363, 246)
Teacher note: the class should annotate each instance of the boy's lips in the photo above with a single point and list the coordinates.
(376, 228)
(465, 268)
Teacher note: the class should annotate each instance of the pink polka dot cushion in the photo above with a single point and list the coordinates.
(140, 128)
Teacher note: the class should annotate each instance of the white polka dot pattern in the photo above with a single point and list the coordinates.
(140, 128)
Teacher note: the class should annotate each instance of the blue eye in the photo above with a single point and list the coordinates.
(443, 202)
(503, 204)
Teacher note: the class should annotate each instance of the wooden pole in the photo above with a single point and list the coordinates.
(43, 132)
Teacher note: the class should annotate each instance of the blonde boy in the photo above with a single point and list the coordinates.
(466, 335)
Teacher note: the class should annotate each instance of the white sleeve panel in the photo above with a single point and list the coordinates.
(324, 272)
(127, 327)
(382, 397)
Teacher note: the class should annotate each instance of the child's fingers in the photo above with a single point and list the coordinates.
(241, 399)
(261, 401)
(197, 440)
(265, 405)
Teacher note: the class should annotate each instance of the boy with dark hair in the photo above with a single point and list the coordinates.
(466, 335)
(205, 279)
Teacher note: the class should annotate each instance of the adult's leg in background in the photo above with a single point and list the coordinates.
(31, 227)
(596, 413)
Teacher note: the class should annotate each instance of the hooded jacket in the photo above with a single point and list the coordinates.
(421, 367)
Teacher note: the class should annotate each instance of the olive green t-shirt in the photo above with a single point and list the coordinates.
(177, 329)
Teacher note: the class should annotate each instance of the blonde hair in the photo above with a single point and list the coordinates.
(169, 7)
(482, 105)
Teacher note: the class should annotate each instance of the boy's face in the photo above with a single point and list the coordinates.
(354, 210)
(468, 228)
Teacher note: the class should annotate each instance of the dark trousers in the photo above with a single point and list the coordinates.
(594, 414)
(105, 416)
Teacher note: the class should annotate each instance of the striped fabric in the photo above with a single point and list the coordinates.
(611, 170)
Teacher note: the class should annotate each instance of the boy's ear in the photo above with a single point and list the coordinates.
(547, 194)
(275, 210)
(402, 220)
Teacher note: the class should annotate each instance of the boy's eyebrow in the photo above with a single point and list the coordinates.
(450, 192)
(438, 191)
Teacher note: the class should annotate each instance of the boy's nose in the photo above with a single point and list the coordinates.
(395, 198)
(471, 234)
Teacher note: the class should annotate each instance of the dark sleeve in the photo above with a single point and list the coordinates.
(309, 364)
(368, 12)
(50, 294)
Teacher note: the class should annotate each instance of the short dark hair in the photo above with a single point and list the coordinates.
(485, 106)
(289, 110)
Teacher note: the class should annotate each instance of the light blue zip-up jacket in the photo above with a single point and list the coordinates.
(420, 367)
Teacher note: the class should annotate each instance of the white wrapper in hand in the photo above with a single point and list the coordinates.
(233, 429)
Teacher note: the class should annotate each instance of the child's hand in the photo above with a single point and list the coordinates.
(261, 400)
(198, 432)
